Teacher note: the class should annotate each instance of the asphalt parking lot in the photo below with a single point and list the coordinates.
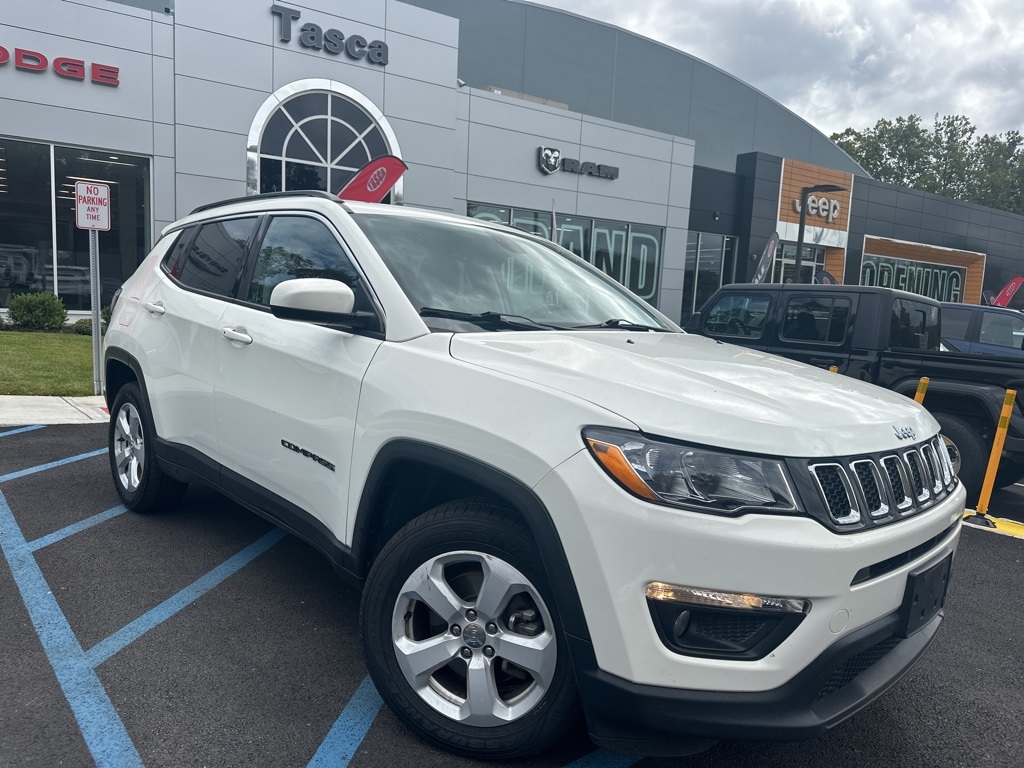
(204, 636)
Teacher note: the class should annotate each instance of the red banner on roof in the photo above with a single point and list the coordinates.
(374, 180)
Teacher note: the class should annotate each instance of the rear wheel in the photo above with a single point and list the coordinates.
(141, 484)
(461, 637)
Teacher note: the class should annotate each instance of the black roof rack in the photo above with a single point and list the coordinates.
(265, 195)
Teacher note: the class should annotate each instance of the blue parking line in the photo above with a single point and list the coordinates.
(107, 647)
(71, 530)
(601, 759)
(349, 730)
(51, 465)
(19, 431)
(104, 733)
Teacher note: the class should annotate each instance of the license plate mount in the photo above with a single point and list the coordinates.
(925, 595)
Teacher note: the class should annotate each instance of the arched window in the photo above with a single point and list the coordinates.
(316, 134)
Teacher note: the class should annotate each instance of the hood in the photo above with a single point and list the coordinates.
(699, 390)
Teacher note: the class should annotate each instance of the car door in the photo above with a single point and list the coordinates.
(815, 329)
(287, 391)
(738, 318)
(179, 328)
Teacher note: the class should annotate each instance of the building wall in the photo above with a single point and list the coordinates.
(609, 73)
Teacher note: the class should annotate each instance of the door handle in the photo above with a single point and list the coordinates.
(236, 334)
(155, 307)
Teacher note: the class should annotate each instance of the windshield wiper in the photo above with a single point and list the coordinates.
(623, 324)
(486, 318)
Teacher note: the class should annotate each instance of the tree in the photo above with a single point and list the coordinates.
(950, 159)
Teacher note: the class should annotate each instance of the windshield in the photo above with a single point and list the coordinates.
(465, 273)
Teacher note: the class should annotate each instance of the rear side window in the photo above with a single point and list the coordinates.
(737, 316)
(955, 322)
(298, 246)
(214, 260)
(1001, 329)
(816, 319)
(914, 325)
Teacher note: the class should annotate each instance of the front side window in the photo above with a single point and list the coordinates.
(738, 316)
(914, 325)
(815, 318)
(955, 322)
(467, 268)
(297, 247)
(213, 262)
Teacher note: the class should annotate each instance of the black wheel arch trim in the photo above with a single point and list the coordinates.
(522, 499)
(124, 357)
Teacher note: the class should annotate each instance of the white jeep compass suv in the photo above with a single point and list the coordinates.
(555, 501)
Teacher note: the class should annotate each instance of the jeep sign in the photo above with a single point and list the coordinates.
(820, 206)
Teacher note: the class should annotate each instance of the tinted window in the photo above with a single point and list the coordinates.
(820, 319)
(213, 262)
(737, 316)
(914, 325)
(298, 246)
(175, 258)
(1002, 329)
(955, 322)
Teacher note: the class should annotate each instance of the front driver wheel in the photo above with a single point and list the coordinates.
(141, 484)
(461, 637)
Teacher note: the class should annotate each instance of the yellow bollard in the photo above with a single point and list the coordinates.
(922, 387)
(997, 452)
(834, 368)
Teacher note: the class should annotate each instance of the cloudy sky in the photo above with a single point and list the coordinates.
(847, 63)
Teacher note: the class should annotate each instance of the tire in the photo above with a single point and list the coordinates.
(1010, 471)
(966, 445)
(141, 484)
(484, 707)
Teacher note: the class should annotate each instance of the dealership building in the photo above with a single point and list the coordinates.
(664, 171)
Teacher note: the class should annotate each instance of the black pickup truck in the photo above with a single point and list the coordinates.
(887, 337)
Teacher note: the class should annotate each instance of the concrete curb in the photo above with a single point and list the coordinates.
(18, 410)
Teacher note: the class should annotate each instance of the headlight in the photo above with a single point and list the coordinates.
(692, 477)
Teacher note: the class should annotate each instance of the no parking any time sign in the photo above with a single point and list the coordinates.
(92, 206)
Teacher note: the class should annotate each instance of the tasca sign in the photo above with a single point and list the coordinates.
(330, 41)
(92, 206)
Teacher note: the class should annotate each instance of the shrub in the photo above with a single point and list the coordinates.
(105, 314)
(37, 311)
(83, 327)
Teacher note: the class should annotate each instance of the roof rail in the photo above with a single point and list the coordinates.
(265, 195)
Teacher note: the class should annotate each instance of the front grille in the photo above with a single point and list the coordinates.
(855, 665)
(862, 491)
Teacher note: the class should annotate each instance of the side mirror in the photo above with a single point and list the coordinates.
(693, 324)
(316, 300)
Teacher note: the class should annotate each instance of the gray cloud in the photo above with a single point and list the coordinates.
(848, 63)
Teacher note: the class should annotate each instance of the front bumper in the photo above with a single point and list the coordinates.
(652, 720)
(635, 689)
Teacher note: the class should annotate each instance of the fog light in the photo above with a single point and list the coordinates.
(680, 625)
(722, 625)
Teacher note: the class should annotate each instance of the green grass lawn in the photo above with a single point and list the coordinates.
(45, 364)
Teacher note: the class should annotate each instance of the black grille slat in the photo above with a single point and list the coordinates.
(869, 485)
(727, 629)
(917, 482)
(891, 465)
(833, 488)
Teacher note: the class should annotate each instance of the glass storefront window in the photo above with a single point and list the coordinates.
(26, 235)
(629, 253)
(38, 220)
(784, 269)
(710, 263)
(124, 246)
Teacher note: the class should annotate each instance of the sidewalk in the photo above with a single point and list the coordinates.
(16, 410)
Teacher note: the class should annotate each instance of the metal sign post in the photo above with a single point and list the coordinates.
(92, 212)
